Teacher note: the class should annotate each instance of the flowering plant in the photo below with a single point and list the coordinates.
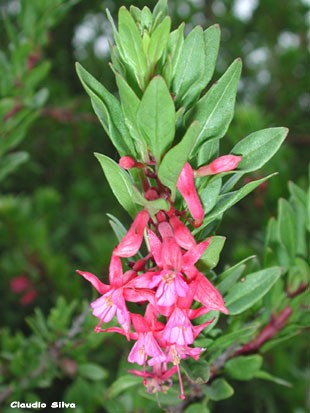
(166, 125)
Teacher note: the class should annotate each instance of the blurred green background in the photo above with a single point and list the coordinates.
(53, 206)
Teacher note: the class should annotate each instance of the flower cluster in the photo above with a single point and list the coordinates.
(165, 280)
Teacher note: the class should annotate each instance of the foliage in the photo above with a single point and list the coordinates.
(49, 180)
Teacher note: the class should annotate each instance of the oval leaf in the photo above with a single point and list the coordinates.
(156, 117)
(120, 183)
(253, 287)
(257, 148)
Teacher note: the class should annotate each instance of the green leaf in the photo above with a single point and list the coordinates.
(239, 336)
(257, 148)
(251, 289)
(232, 275)
(118, 228)
(131, 45)
(244, 367)
(211, 256)
(286, 228)
(191, 66)
(152, 206)
(207, 151)
(120, 183)
(174, 160)
(264, 375)
(215, 109)
(196, 408)
(219, 390)
(198, 373)
(92, 371)
(174, 49)
(158, 41)
(156, 117)
(121, 384)
(109, 112)
(160, 10)
(209, 193)
(212, 37)
(130, 104)
(11, 162)
(226, 201)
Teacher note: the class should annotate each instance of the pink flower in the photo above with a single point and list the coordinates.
(182, 234)
(208, 295)
(170, 281)
(28, 297)
(222, 164)
(179, 329)
(19, 284)
(130, 244)
(122, 288)
(186, 186)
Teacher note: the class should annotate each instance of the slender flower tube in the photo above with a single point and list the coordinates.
(224, 163)
(186, 186)
(130, 244)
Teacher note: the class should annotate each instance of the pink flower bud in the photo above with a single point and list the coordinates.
(222, 164)
(19, 284)
(28, 297)
(127, 162)
(186, 186)
(130, 244)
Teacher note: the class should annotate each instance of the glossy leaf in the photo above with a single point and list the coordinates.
(109, 112)
(130, 104)
(252, 288)
(209, 193)
(257, 148)
(215, 109)
(212, 37)
(191, 67)
(197, 372)
(211, 256)
(131, 45)
(226, 201)
(156, 117)
(158, 41)
(92, 371)
(287, 228)
(122, 384)
(11, 162)
(232, 275)
(120, 183)
(244, 367)
(174, 160)
(219, 390)
(174, 49)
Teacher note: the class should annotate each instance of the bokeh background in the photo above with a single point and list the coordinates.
(54, 198)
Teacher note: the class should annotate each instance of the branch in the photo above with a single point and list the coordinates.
(52, 352)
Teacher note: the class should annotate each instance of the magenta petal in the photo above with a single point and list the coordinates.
(130, 244)
(208, 295)
(155, 246)
(100, 287)
(104, 308)
(139, 323)
(182, 234)
(194, 254)
(116, 271)
(186, 186)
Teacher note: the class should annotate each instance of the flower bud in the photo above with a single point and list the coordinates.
(186, 187)
(130, 244)
(127, 162)
(222, 164)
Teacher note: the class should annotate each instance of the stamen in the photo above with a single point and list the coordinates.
(182, 396)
